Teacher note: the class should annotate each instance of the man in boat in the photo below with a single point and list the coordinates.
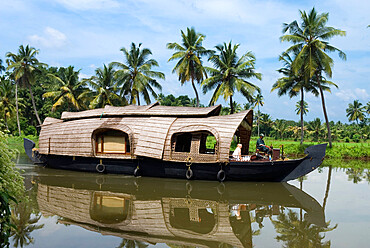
(237, 154)
(261, 145)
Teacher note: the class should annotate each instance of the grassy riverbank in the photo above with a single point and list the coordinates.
(16, 142)
(338, 151)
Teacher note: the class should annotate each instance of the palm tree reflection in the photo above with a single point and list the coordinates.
(24, 224)
(295, 232)
(128, 243)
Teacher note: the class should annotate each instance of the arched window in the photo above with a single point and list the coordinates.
(109, 209)
(112, 142)
(202, 142)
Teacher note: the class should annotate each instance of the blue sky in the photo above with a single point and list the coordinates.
(89, 33)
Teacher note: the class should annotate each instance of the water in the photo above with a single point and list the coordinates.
(73, 209)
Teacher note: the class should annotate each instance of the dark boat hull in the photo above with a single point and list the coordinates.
(272, 171)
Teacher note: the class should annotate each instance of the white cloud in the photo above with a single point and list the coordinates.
(349, 94)
(51, 38)
(89, 4)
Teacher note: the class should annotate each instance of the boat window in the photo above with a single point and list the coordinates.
(183, 142)
(207, 143)
(109, 209)
(201, 220)
(112, 141)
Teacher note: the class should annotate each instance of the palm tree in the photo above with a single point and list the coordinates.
(258, 101)
(2, 68)
(310, 43)
(24, 66)
(230, 74)
(280, 127)
(104, 84)
(355, 112)
(67, 89)
(368, 108)
(135, 76)
(316, 128)
(7, 103)
(266, 123)
(301, 108)
(189, 53)
(294, 84)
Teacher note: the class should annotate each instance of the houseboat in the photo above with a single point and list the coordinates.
(163, 141)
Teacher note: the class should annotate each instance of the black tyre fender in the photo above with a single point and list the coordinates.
(100, 168)
(221, 175)
(137, 172)
(189, 174)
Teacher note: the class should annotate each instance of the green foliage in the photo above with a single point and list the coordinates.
(11, 188)
(170, 100)
(231, 74)
(189, 55)
(5, 213)
(136, 77)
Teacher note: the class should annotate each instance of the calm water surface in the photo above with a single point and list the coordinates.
(330, 207)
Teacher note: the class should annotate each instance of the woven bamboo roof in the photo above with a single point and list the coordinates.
(146, 110)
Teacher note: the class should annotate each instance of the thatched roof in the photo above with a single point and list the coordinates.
(149, 134)
(147, 110)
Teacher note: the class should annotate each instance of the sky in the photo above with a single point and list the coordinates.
(90, 33)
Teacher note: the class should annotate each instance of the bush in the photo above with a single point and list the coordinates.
(356, 138)
(11, 187)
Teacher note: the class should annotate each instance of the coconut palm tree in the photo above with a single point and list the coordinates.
(189, 55)
(355, 111)
(316, 128)
(67, 89)
(301, 108)
(294, 84)
(2, 68)
(280, 127)
(24, 66)
(7, 99)
(104, 85)
(231, 74)
(135, 77)
(258, 101)
(310, 42)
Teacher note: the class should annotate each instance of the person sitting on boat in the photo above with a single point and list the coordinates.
(237, 154)
(261, 145)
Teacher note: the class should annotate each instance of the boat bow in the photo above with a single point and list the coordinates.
(314, 158)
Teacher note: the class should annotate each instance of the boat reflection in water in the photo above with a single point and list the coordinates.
(153, 210)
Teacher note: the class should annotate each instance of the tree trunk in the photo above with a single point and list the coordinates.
(324, 108)
(16, 105)
(195, 90)
(258, 121)
(138, 99)
(327, 188)
(302, 133)
(6, 122)
(34, 105)
(231, 105)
